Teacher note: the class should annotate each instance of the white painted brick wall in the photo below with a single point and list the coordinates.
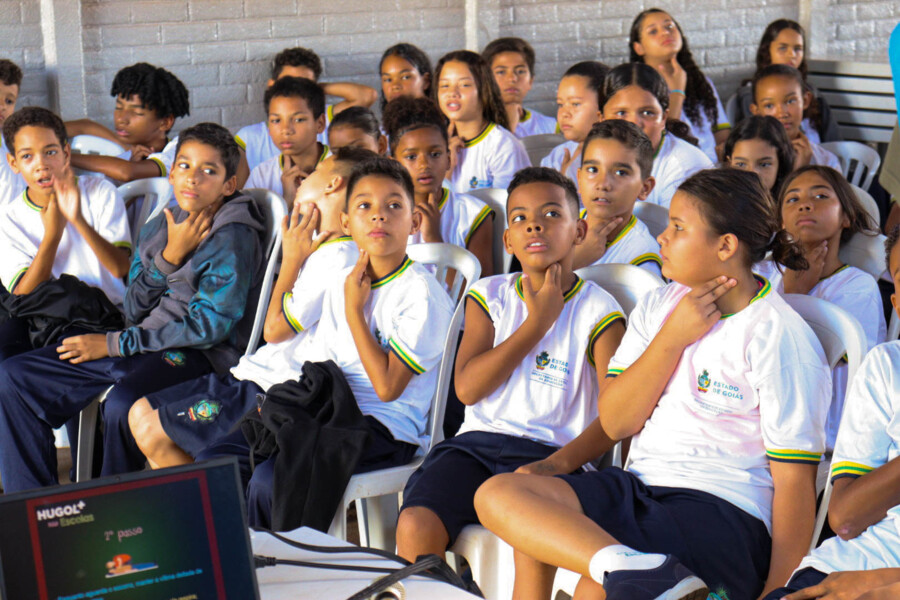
(222, 49)
(22, 43)
(860, 30)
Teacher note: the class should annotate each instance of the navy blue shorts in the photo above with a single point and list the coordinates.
(454, 469)
(808, 577)
(196, 413)
(722, 544)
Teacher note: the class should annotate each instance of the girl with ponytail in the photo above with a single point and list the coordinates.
(637, 93)
(723, 390)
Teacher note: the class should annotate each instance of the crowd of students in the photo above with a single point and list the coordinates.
(720, 392)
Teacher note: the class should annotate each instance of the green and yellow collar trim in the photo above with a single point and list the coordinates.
(662, 140)
(764, 288)
(406, 264)
(628, 227)
(323, 156)
(343, 238)
(481, 136)
(28, 201)
(445, 195)
(576, 287)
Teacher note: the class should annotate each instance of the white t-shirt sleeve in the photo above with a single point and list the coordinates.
(256, 178)
(643, 324)
(165, 158)
(17, 254)
(418, 328)
(864, 440)
(109, 217)
(507, 160)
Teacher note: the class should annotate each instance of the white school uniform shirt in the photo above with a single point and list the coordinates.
(869, 438)
(823, 157)
(11, 183)
(555, 159)
(534, 123)
(301, 308)
(409, 313)
(461, 216)
(258, 145)
(267, 175)
(675, 161)
(165, 158)
(21, 232)
(489, 160)
(704, 130)
(753, 389)
(551, 397)
(633, 246)
(856, 292)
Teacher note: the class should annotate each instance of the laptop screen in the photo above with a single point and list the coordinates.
(172, 534)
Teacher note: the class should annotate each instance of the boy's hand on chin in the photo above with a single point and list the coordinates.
(546, 303)
(357, 286)
(184, 237)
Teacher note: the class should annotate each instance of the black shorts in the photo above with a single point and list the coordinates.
(808, 577)
(723, 545)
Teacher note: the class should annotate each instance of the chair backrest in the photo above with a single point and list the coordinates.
(840, 335)
(731, 109)
(91, 144)
(274, 210)
(865, 252)
(894, 328)
(496, 199)
(447, 258)
(156, 193)
(654, 216)
(868, 203)
(626, 283)
(539, 146)
(859, 162)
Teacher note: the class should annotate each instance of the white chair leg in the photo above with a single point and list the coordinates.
(491, 561)
(87, 429)
(378, 521)
(338, 527)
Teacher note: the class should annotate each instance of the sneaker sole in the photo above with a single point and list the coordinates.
(691, 588)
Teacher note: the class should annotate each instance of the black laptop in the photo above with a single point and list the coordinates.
(177, 533)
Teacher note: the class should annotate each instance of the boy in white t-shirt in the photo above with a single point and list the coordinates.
(59, 223)
(11, 183)
(296, 109)
(148, 100)
(863, 511)
(614, 173)
(173, 425)
(383, 323)
(511, 60)
(300, 62)
(526, 369)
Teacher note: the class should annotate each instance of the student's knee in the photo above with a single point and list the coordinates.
(143, 420)
(419, 525)
(490, 491)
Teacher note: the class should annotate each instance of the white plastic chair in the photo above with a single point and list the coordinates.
(490, 558)
(496, 199)
(859, 163)
(274, 209)
(654, 216)
(539, 146)
(156, 193)
(865, 252)
(840, 335)
(377, 493)
(868, 203)
(91, 144)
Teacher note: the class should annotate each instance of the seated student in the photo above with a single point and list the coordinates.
(148, 100)
(657, 40)
(761, 145)
(173, 425)
(614, 173)
(59, 223)
(11, 184)
(356, 127)
(637, 93)
(579, 101)
(296, 109)
(382, 322)
(483, 153)
(419, 142)
(820, 210)
(864, 510)
(511, 60)
(526, 369)
(724, 389)
(779, 91)
(784, 43)
(188, 289)
(405, 70)
(254, 139)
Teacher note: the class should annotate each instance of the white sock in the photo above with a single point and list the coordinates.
(621, 558)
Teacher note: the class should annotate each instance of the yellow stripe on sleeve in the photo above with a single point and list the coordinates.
(484, 214)
(163, 171)
(291, 320)
(849, 469)
(241, 143)
(480, 301)
(405, 358)
(794, 456)
(645, 258)
(614, 372)
(598, 330)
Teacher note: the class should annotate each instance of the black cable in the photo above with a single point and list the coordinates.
(338, 549)
(272, 561)
(424, 563)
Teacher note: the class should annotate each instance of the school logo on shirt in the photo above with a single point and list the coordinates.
(703, 381)
(385, 345)
(476, 183)
(550, 371)
(174, 358)
(204, 411)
